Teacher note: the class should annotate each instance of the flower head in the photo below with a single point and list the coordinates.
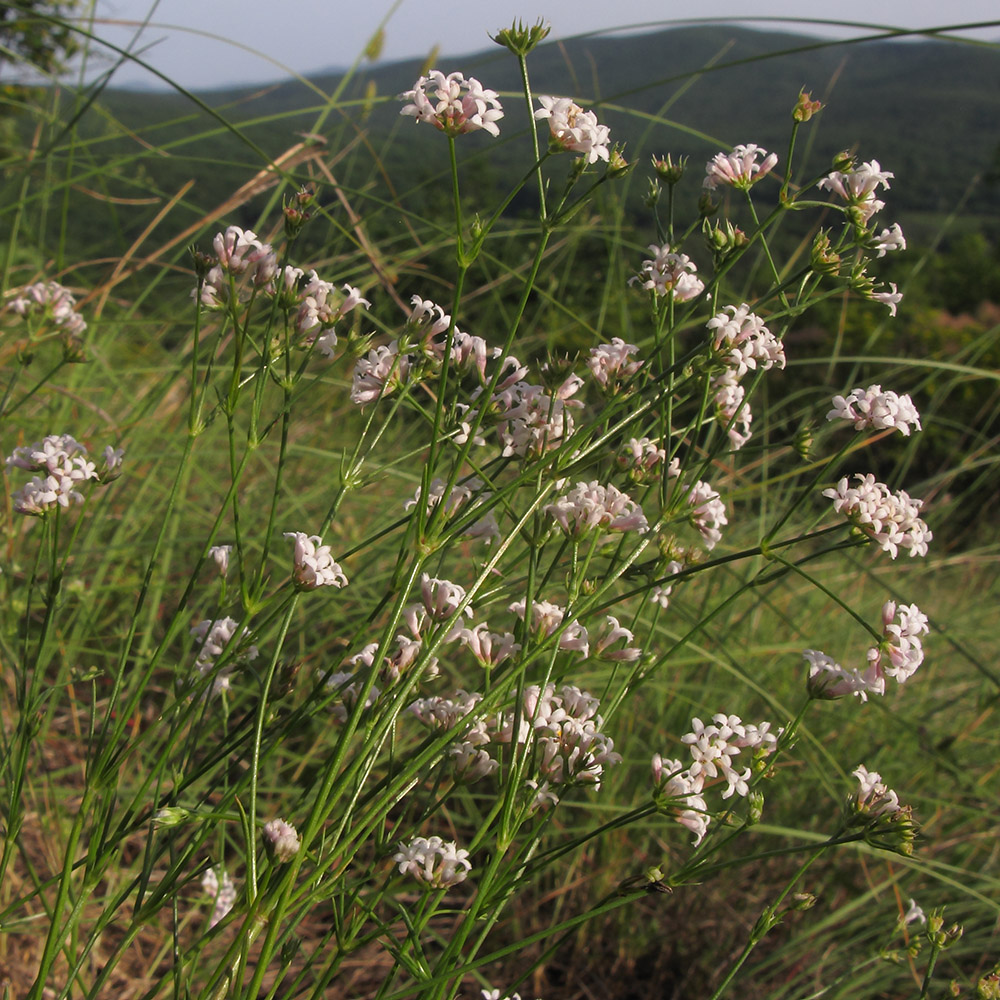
(314, 565)
(858, 186)
(875, 409)
(667, 272)
(739, 169)
(281, 840)
(453, 104)
(433, 861)
(890, 519)
(574, 130)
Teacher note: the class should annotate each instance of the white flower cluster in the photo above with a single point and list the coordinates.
(574, 130)
(615, 632)
(898, 656)
(708, 512)
(533, 422)
(348, 686)
(320, 306)
(215, 636)
(453, 104)
(239, 254)
(219, 886)
(435, 862)
(729, 404)
(469, 757)
(857, 187)
(313, 563)
(380, 373)
(874, 797)
(469, 491)
(891, 519)
(490, 649)
(670, 273)
(610, 364)
(744, 340)
(547, 618)
(875, 409)
(53, 301)
(901, 651)
(739, 169)
(660, 594)
(714, 749)
(592, 507)
(567, 732)
(63, 465)
(441, 598)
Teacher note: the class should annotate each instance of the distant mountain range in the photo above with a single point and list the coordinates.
(928, 110)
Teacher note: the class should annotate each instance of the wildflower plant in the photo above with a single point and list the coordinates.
(424, 688)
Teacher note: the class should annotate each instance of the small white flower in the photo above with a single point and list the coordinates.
(889, 239)
(219, 886)
(220, 554)
(610, 364)
(744, 340)
(914, 914)
(873, 796)
(891, 298)
(593, 507)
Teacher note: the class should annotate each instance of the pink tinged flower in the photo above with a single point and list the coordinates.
(441, 598)
(640, 457)
(433, 861)
(888, 240)
(731, 410)
(615, 632)
(313, 563)
(890, 519)
(681, 792)
(453, 104)
(238, 250)
(532, 422)
(858, 187)
(611, 364)
(220, 556)
(901, 652)
(215, 637)
(379, 374)
(442, 713)
(281, 840)
(51, 300)
(891, 298)
(464, 497)
(914, 914)
(739, 169)
(489, 648)
(669, 273)
(547, 618)
(348, 687)
(708, 513)
(219, 886)
(829, 680)
(872, 408)
(873, 796)
(471, 762)
(574, 130)
(744, 341)
(593, 507)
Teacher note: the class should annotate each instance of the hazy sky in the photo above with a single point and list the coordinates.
(206, 43)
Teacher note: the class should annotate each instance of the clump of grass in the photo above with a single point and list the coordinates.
(403, 658)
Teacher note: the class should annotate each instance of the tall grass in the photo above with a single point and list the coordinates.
(254, 740)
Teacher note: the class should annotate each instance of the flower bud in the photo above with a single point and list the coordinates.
(802, 901)
(803, 441)
(25, 353)
(171, 816)
(843, 162)
(74, 353)
(805, 107)
(755, 803)
(652, 197)
(281, 841)
(667, 170)
(203, 262)
(822, 257)
(519, 38)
